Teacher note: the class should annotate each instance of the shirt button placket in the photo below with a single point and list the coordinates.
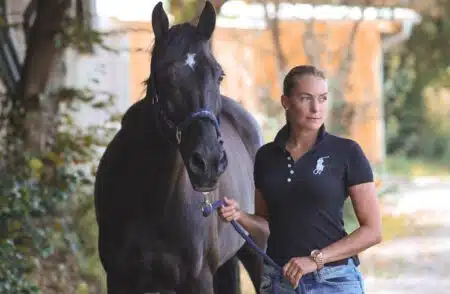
(289, 158)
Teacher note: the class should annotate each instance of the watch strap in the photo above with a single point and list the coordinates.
(317, 256)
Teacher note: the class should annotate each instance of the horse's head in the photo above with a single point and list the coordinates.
(184, 83)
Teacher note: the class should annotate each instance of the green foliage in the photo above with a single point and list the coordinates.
(25, 222)
(47, 220)
(45, 198)
(423, 62)
(183, 10)
(407, 167)
(12, 270)
(84, 221)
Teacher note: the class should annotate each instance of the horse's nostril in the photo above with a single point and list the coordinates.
(198, 162)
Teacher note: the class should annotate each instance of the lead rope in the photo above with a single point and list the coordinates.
(208, 208)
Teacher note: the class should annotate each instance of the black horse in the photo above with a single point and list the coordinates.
(182, 140)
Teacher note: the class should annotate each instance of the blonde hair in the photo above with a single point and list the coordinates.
(298, 72)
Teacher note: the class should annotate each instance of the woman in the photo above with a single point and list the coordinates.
(302, 179)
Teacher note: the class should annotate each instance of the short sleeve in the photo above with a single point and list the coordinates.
(358, 168)
(257, 170)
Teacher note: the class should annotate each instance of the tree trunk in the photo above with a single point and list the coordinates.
(44, 49)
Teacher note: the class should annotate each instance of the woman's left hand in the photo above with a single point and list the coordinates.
(297, 267)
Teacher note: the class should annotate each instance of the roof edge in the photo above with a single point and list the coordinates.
(254, 12)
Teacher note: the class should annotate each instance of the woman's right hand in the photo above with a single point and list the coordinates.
(230, 210)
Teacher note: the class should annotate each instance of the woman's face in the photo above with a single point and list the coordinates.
(307, 104)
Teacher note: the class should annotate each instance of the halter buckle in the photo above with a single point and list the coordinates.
(206, 207)
(178, 135)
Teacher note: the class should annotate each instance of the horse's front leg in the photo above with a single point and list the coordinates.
(202, 284)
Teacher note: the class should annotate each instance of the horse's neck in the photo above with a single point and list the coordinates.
(163, 161)
(176, 174)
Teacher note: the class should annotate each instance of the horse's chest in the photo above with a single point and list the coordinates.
(169, 257)
(187, 242)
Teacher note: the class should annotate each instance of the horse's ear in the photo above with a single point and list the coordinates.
(160, 22)
(207, 21)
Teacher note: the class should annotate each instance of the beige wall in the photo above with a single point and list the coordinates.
(245, 53)
(140, 42)
(247, 57)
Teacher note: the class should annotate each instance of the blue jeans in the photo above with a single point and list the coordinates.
(341, 279)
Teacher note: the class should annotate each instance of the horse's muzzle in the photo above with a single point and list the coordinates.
(205, 170)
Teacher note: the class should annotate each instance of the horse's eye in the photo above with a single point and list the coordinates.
(221, 77)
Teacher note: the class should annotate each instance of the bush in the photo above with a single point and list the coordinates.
(46, 200)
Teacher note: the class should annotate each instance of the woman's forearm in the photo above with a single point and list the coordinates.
(356, 242)
(257, 226)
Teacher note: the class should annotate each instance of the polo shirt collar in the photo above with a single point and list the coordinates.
(283, 135)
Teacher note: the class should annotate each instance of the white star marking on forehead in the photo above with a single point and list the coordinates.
(190, 60)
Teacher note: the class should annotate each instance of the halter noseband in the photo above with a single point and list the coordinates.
(179, 128)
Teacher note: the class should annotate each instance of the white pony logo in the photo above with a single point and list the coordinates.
(319, 165)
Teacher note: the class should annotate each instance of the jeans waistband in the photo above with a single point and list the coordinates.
(269, 270)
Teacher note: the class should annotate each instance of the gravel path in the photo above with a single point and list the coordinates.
(420, 262)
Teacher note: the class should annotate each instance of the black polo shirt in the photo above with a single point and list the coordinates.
(305, 198)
